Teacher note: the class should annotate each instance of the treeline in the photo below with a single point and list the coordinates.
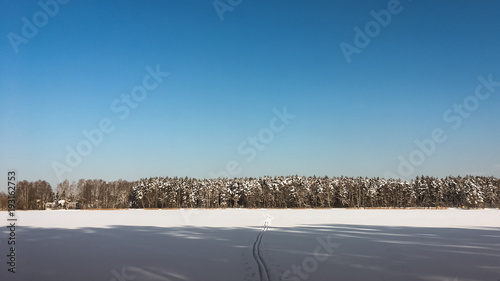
(30, 195)
(266, 192)
(87, 194)
(316, 192)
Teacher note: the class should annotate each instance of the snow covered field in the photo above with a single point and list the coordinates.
(241, 244)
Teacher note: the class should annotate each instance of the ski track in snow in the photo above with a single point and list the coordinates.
(261, 264)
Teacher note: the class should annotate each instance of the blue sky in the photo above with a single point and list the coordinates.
(226, 77)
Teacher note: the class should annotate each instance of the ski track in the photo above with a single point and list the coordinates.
(263, 269)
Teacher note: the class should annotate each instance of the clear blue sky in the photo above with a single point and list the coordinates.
(227, 76)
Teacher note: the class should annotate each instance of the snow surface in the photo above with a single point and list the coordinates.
(337, 244)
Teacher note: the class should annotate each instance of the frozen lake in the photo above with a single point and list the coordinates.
(259, 244)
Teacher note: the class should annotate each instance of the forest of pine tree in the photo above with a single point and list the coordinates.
(264, 192)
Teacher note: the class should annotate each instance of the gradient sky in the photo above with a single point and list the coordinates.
(227, 76)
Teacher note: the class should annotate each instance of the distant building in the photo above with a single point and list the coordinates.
(62, 204)
(72, 205)
(50, 206)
